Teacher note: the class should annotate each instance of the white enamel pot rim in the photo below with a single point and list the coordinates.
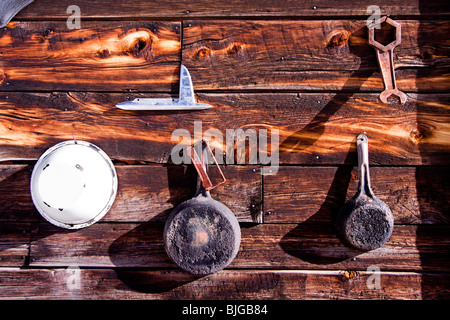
(73, 184)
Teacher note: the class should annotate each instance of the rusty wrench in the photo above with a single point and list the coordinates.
(385, 57)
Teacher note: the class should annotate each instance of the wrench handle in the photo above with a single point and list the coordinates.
(386, 64)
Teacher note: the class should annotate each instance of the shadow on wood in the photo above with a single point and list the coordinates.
(308, 135)
(15, 200)
(424, 131)
(125, 253)
(154, 282)
(311, 243)
(303, 242)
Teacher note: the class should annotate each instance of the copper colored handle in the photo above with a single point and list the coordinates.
(201, 165)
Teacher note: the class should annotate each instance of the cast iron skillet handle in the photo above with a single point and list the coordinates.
(202, 170)
(9, 8)
(200, 161)
(362, 146)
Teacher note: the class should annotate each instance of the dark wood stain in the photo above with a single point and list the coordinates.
(302, 67)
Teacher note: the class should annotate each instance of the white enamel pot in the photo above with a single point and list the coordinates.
(73, 184)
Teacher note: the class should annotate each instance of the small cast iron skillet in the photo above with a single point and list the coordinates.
(364, 222)
(202, 235)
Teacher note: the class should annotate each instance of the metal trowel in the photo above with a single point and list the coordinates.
(9, 8)
(186, 100)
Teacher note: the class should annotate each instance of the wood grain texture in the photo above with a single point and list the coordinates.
(46, 9)
(294, 195)
(302, 67)
(14, 243)
(288, 55)
(145, 193)
(224, 285)
(305, 195)
(105, 56)
(294, 55)
(314, 129)
(266, 246)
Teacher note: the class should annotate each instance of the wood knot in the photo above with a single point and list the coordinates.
(339, 39)
(235, 48)
(423, 131)
(139, 45)
(47, 32)
(416, 135)
(427, 55)
(349, 275)
(103, 54)
(140, 48)
(203, 52)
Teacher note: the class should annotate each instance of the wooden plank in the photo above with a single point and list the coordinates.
(108, 56)
(151, 193)
(311, 55)
(14, 243)
(238, 55)
(316, 246)
(308, 50)
(415, 195)
(145, 193)
(102, 244)
(224, 285)
(15, 203)
(46, 9)
(267, 246)
(314, 129)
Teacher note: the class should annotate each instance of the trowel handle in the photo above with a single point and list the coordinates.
(362, 146)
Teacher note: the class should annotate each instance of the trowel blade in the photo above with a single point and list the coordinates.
(149, 104)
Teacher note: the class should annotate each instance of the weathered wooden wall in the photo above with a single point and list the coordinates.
(302, 67)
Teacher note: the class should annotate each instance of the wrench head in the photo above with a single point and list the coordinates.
(389, 46)
(387, 93)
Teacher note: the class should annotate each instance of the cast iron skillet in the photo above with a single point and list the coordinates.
(202, 235)
(364, 222)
